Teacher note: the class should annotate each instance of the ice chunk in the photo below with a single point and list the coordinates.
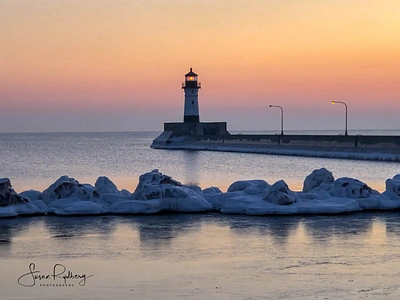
(7, 194)
(316, 178)
(279, 193)
(125, 192)
(67, 196)
(350, 188)
(29, 209)
(61, 203)
(366, 197)
(12, 204)
(152, 185)
(31, 194)
(250, 187)
(105, 186)
(66, 187)
(42, 207)
(212, 190)
(393, 187)
(109, 191)
(171, 193)
(81, 208)
(326, 206)
(61, 188)
(7, 211)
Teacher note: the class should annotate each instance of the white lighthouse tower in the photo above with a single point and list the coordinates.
(191, 88)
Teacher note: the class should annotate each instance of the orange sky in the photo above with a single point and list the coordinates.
(118, 65)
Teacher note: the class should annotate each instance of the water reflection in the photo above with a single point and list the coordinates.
(77, 226)
(325, 229)
(279, 228)
(9, 228)
(191, 163)
(392, 222)
(159, 231)
(175, 235)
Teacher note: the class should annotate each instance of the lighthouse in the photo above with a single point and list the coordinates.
(191, 88)
(191, 128)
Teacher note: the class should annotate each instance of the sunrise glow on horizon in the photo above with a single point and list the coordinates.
(118, 65)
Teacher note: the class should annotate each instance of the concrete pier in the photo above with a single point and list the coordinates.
(214, 136)
(385, 148)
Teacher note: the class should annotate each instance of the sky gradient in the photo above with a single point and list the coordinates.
(114, 65)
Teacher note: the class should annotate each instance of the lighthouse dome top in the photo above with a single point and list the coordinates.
(191, 73)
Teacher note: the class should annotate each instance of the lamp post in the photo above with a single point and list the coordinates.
(281, 116)
(345, 105)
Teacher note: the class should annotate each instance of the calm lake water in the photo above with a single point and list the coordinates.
(189, 256)
(35, 160)
(204, 256)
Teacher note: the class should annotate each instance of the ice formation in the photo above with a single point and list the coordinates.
(157, 192)
(12, 204)
(7, 194)
(66, 196)
(279, 193)
(169, 193)
(316, 178)
(393, 187)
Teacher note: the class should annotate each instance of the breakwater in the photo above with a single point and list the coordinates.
(379, 147)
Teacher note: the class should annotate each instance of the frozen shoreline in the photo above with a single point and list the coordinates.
(156, 193)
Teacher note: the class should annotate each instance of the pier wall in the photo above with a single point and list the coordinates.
(379, 148)
(300, 141)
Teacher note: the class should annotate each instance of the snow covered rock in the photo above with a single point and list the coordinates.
(79, 207)
(279, 193)
(250, 187)
(125, 192)
(279, 199)
(366, 197)
(212, 190)
(171, 194)
(7, 194)
(87, 192)
(393, 187)
(109, 191)
(350, 188)
(105, 186)
(12, 204)
(238, 196)
(316, 178)
(7, 211)
(61, 188)
(31, 194)
(67, 196)
(66, 187)
(155, 185)
(211, 194)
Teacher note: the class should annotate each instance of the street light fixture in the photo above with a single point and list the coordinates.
(345, 105)
(281, 116)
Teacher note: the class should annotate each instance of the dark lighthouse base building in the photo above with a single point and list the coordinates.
(196, 128)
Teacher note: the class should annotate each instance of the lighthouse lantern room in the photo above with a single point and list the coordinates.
(191, 88)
